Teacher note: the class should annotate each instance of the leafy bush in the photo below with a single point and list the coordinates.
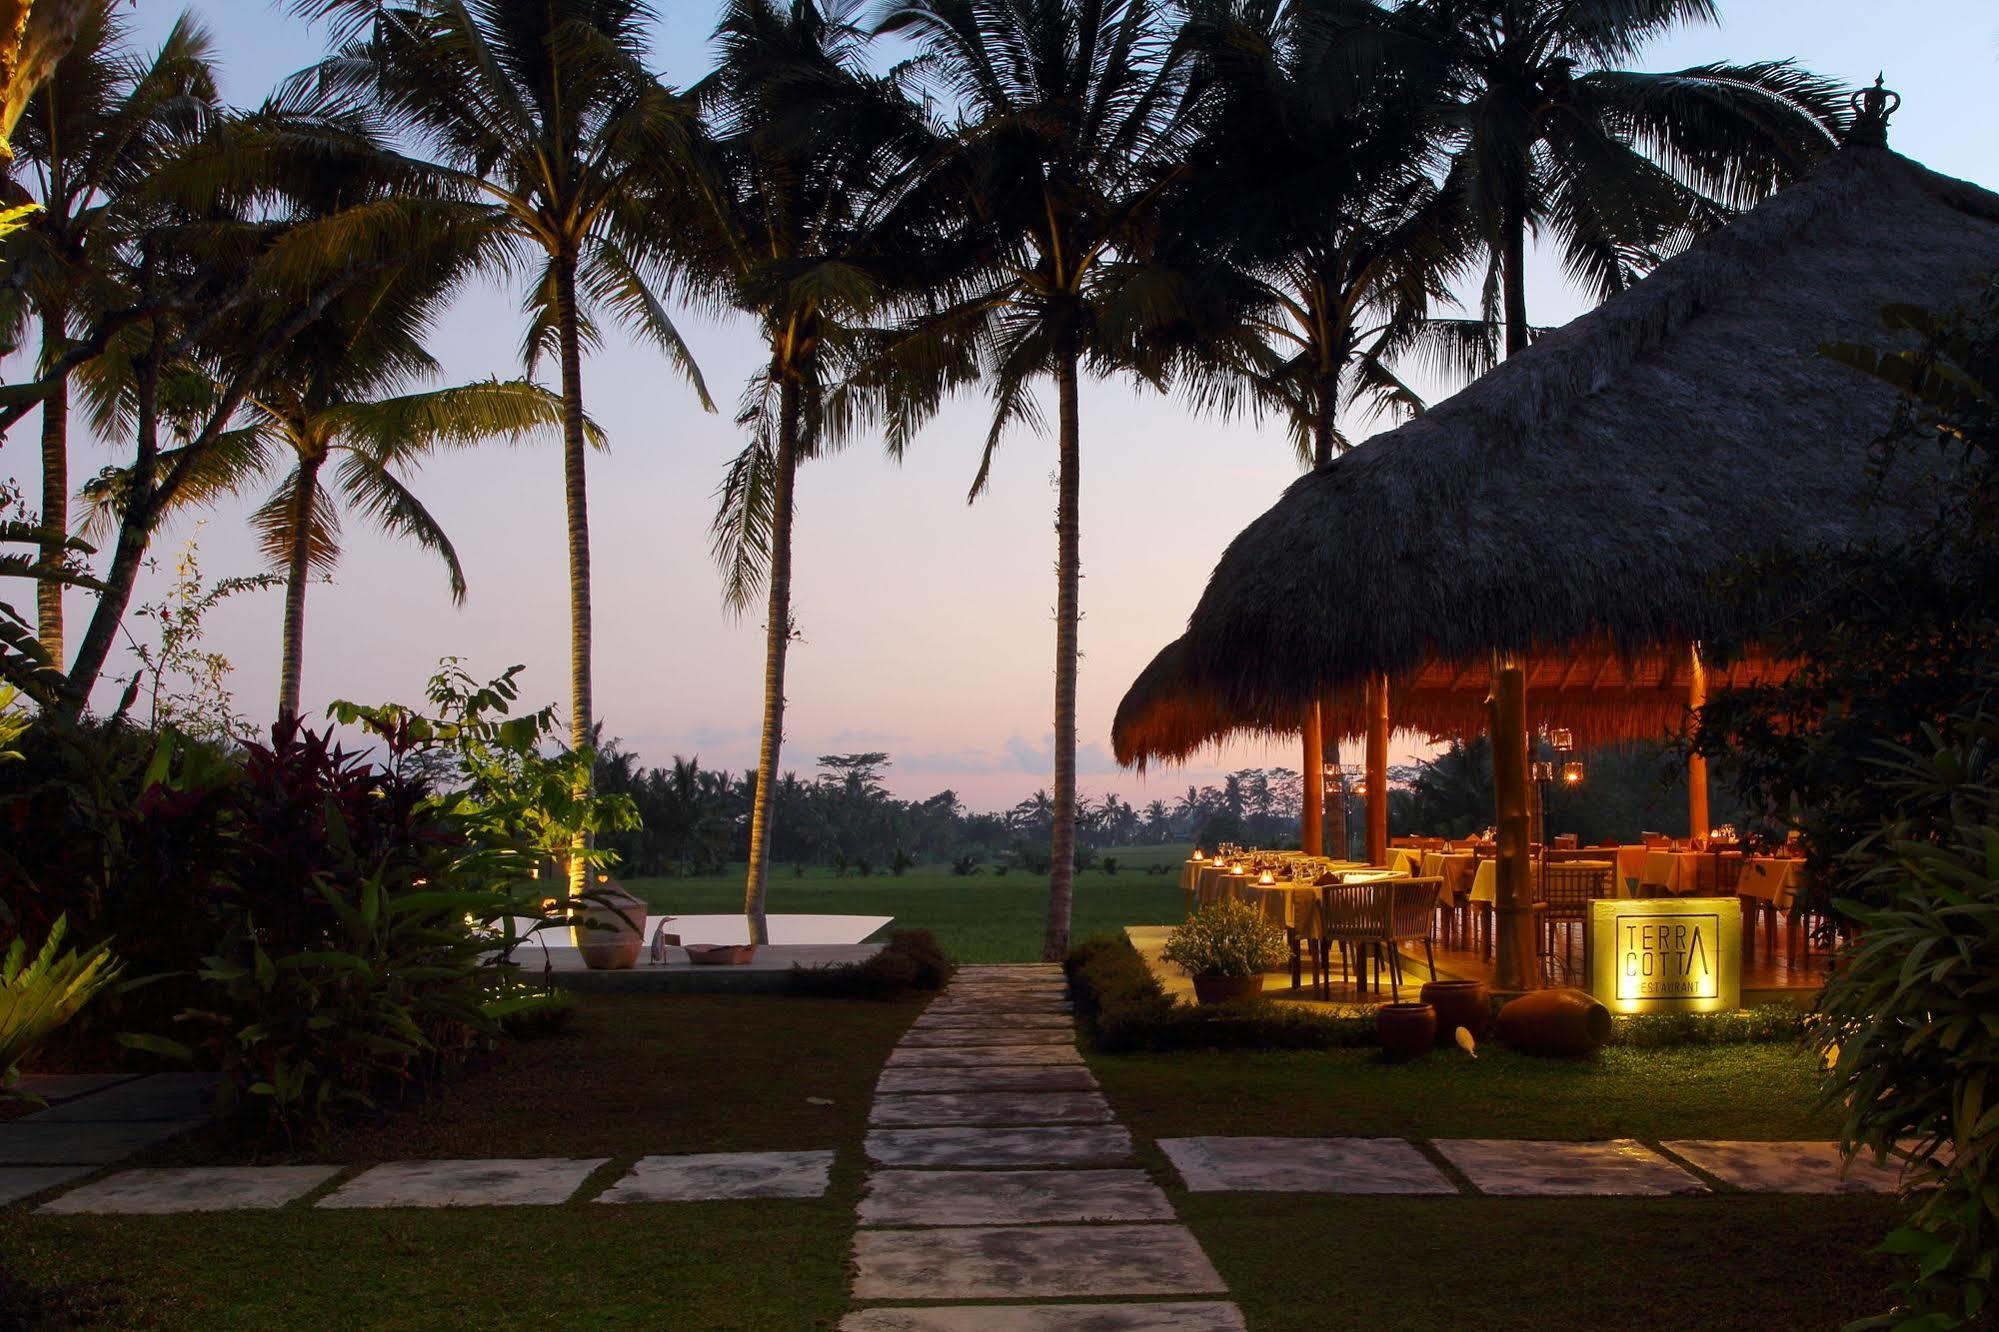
(1908, 1018)
(1124, 1008)
(965, 866)
(1085, 858)
(1764, 1024)
(38, 996)
(900, 863)
(911, 961)
(1110, 864)
(348, 967)
(1226, 938)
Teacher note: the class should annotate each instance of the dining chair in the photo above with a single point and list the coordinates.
(1561, 903)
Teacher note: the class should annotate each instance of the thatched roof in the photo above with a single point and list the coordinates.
(1595, 693)
(1590, 490)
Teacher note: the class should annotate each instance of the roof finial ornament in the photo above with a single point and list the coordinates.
(1871, 109)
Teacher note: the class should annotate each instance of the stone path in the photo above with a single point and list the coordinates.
(1001, 1174)
(94, 1120)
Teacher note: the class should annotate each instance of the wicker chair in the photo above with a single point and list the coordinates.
(1562, 897)
(1371, 921)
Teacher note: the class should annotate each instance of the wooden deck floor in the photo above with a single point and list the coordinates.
(1765, 980)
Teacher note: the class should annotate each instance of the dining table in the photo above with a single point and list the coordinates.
(1775, 879)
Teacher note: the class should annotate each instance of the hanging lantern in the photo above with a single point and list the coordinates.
(1544, 771)
(1572, 773)
(1562, 739)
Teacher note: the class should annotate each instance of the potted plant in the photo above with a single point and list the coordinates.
(1226, 946)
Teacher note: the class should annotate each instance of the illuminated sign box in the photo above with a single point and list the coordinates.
(1666, 955)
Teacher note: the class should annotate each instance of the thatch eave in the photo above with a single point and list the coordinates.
(1592, 489)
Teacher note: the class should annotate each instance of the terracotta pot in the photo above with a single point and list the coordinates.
(1554, 1022)
(1226, 989)
(1459, 1003)
(720, 955)
(1406, 1030)
(612, 928)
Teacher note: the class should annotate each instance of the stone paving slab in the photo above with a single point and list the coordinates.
(995, 1034)
(1173, 1316)
(713, 1175)
(900, 1080)
(1090, 1144)
(1003, 1002)
(1519, 1168)
(18, 1182)
(196, 1189)
(981, 1056)
(510, 1183)
(29, 1142)
(1790, 1167)
(1006, 989)
(67, 1086)
(1303, 1165)
(158, 1097)
(992, 1108)
(1010, 1197)
(1014, 1262)
(975, 1021)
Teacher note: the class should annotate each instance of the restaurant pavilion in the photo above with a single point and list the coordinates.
(1544, 552)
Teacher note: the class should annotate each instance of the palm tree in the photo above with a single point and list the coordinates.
(1313, 237)
(330, 399)
(803, 232)
(545, 110)
(1075, 117)
(1618, 167)
(89, 139)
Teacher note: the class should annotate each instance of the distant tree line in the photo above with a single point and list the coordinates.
(696, 820)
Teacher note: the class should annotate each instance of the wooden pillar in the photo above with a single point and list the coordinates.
(1697, 814)
(1514, 967)
(1377, 770)
(1312, 835)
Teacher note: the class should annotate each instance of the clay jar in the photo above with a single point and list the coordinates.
(611, 929)
(1406, 1030)
(1226, 989)
(1554, 1022)
(1459, 1003)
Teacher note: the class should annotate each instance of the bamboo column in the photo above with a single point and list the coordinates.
(1377, 770)
(1514, 966)
(1313, 833)
(1697, 814)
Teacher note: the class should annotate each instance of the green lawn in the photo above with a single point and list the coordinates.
(984, 917)
(1308, 1261)
(638, 1074)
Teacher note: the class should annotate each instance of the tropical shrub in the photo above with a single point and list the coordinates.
(1124, 1008)
(1910, 1026)
(37, 996)
(1226, 938)
(911, 961)
(350, 900)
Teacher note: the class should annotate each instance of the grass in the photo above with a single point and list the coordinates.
(637, 1074)
(1307, 1261)
(985, 917)
(1301, 1262)
(1737, 1091)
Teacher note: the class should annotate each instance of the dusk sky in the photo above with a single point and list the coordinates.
(926, 623)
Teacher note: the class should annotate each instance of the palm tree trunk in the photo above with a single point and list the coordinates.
(135, 530)
(1513, 276)
(777, 639)
(1068, 576)
(576, 506)
(55, 490)
(298, 570)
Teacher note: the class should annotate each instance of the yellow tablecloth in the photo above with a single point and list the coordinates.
(1675, 871)
(1771, 878)
(1630, 869)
